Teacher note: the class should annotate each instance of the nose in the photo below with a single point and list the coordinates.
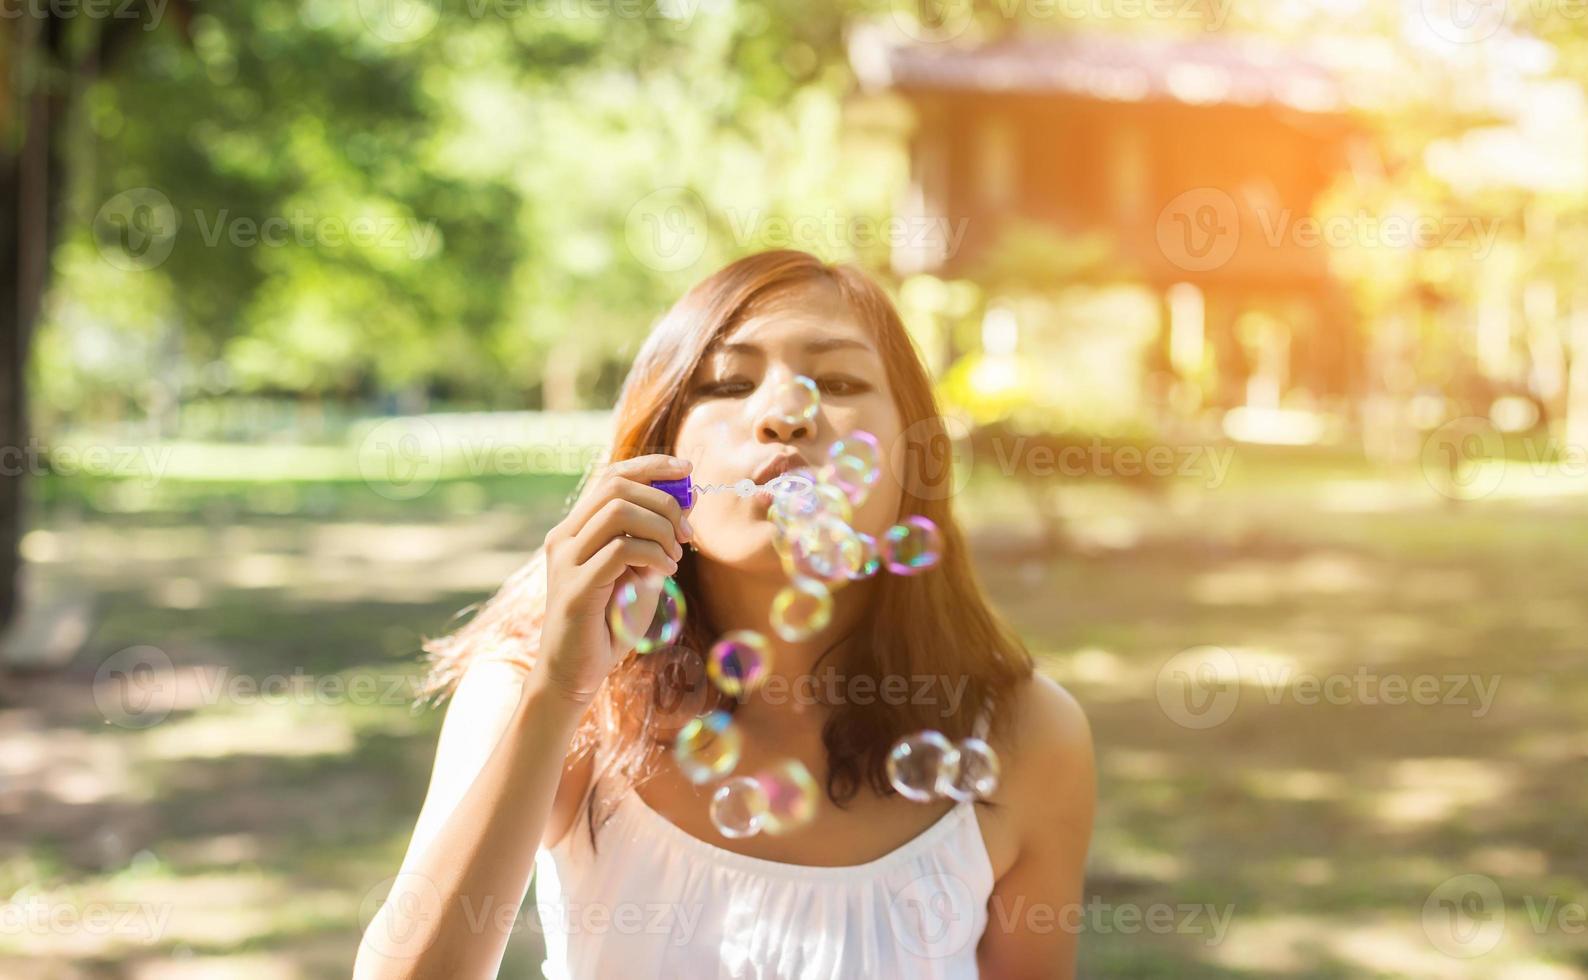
(787, 416)
(778, 427)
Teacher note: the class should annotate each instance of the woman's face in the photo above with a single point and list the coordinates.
(743, 409)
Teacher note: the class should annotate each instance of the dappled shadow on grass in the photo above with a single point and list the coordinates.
(1323, 826)
(1306, 812)
(263, 817)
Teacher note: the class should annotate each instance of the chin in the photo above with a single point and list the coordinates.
(744, 546)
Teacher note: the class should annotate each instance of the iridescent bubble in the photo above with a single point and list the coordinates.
(739, 807)
(798, 399)
(831, 502)
(793, 483)
(870, 558)
(848, 476)
(976, 777)
(825, 549)
(708, 747)
(642, 628)
(912, 546)
(790, 796)
(739, 662)
(860, 444)
(922, 765)
(794, 499)
(803, 608)
(854, 465)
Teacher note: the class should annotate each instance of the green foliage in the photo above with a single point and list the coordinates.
(439, 199)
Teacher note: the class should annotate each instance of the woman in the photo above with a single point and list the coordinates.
(554, 754)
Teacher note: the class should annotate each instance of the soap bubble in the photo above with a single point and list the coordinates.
(846, 476)
(797, 400)
(739, 662)
(794, 499)
(921, 765)
(801, 609)
(826, 549)
(708, 747)
(912, 546)
(854, 465)
(870, 558)
(739, 807)
(831, 502)
(790, 796)
(640, 628)
(977, 774)
(794, 482)
(859, 444)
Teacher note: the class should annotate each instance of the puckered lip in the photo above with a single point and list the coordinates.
(778, 465)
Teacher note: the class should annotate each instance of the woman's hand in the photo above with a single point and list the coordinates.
(621, 531)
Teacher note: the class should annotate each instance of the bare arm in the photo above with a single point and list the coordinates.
(1034, 921)
(498, 790)
(451, 909)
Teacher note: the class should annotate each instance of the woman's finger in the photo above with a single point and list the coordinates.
(606, 565)
(613, 484)
(619, 516)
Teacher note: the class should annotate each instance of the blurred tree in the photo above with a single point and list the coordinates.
(47, 56)
(507, 158)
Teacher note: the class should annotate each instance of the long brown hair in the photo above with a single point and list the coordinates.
(934, 625)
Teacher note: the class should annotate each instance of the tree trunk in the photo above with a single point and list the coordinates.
(30, 200)
(32, 188)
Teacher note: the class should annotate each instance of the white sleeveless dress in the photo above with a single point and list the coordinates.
(656, 902)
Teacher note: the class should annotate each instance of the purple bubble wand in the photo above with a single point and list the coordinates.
(684, 489)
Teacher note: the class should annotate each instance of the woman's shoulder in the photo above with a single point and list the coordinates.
(1049, 766)
(1047, 722)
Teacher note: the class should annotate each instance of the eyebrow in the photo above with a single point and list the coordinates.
(822, 346)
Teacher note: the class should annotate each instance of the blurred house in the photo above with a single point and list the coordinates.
(1197, 157)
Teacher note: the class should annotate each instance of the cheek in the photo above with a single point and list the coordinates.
(705, 438)
(881, 509)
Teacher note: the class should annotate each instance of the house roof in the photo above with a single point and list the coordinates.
(1106, 67)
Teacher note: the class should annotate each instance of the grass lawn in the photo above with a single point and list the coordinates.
(1292, 831)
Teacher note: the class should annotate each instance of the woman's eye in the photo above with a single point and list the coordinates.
(727, 388)
(841, 386)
